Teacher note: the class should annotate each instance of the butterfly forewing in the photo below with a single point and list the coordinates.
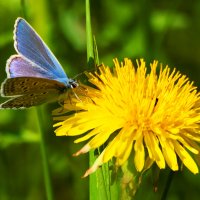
(29, 44)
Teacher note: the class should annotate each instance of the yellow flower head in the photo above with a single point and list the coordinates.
(156, 115)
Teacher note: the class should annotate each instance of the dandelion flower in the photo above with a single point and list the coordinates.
(155, 115)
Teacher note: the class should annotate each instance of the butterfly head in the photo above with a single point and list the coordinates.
(68, 82)
(72, 83)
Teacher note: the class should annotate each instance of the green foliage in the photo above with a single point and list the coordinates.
(162, 30)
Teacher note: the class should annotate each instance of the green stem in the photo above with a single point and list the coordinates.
(23, 7)
(41, 123)
(47, 180)
(89, 38)
(97, 181)
(167, 186)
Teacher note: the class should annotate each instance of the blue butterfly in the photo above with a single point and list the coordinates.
(34, 75)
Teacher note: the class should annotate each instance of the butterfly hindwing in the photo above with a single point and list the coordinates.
(26, 85)
(18, 66)
(31, 99)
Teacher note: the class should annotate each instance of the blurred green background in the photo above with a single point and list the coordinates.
(168, 31)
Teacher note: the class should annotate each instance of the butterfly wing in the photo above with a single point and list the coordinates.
(31, 99)
(17, 66)
(29, 44)
(29, 91)
(25, 85)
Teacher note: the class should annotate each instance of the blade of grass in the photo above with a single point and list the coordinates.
(96, 54)
(23, 9)
(97, 183)
(89, 38)
(47, 179)
(41, 122)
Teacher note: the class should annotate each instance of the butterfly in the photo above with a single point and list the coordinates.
(34, 75)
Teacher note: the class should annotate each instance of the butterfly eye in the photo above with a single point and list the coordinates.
(73, 83)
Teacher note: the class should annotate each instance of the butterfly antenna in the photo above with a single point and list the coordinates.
(75, 77)
(76, 95)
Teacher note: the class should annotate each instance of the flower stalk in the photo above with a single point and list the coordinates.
(47, 178)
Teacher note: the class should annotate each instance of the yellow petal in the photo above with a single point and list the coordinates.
(153, 147)
(99, 139)
(185, 157)
(169, 153)
(110, 149)
(97, 163)
(123, 151)
(83, 150)
(139, 154)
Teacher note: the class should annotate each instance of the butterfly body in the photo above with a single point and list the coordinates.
(34, 74)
